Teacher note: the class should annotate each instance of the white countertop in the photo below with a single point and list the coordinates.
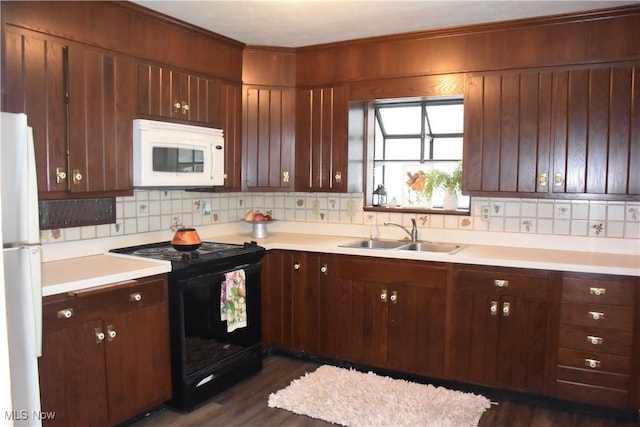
(96, 270)
(66, 269)
(546, 259)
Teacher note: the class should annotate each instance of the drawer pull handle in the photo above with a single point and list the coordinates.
(65, 314)
(494, 308)
(592, 363)
(501, 283)
(594, 340)
(135, 297)
(597, 291)
(596, 315)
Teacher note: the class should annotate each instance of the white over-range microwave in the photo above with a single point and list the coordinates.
(176, 155)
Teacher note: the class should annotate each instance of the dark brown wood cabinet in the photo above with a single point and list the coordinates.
(295, 297)
(78, 102)
(499, 327)
(397, 314)
(231, 124)
(268, 132)
(322, 116)
(105, 355)
(596, 340)
(553, 133)
(168, 93)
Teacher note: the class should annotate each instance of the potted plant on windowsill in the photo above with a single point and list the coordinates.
(449, 182)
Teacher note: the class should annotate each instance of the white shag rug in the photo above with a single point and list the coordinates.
(353, 398)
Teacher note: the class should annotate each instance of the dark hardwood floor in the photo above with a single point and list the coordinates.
(246, 405)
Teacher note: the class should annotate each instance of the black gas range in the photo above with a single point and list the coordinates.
(212, 348)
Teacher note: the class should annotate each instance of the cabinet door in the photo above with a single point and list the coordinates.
(137, 356)
(277, 269)
(596, 144)
(322, 139)
(499, 328)
(230, 108)
(507, 133)
(101, 111)
(73, 374)
(269, 133)
(33, 83)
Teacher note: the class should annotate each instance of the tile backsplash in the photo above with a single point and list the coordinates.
(157, 210)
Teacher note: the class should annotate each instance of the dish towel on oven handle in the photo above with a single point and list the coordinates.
(233, 300)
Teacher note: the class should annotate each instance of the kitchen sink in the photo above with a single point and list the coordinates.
(450, 248)
(374, 244)
(403, 245)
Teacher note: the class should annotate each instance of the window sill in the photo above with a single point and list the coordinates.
(417, 210)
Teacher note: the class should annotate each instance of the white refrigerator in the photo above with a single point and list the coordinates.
(21, 281)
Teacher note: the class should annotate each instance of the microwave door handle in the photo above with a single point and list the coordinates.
(212, 163)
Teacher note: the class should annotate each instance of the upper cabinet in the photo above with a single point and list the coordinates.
(78, 102)
(322, 139)
(167, 93)
(269, 136)
(556, 133)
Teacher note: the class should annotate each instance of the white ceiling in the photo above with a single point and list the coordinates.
(296, 23)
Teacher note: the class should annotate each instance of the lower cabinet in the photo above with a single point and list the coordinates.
(499, 327)
(565, 335)
(105, 355)
(397, 313)
(596, 340)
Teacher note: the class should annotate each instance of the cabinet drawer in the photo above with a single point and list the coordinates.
(607, 292)
(598, 316)
(502, 282)
(379, 270)
(596, 340)
(600, 379)
(601, 396)
(602, 362)
(61, 311)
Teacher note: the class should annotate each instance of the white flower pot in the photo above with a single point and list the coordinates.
(450, 201)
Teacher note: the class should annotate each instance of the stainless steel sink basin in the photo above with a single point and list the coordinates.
(431, 247)
(374, 244)
(403, 245)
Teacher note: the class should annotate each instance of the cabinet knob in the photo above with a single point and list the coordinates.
(594, 340)
(493, 309)
(501, 283)
(383, 295)
(111, 333)
(65, 313)
(506, 309)
(597, 291)
(296, 265)
(324, 269)
(185, 108)
(61, 175)
(557, 180)
(135, 297)
(592, 363)
(177, 106)
(394, 297)
(596, 315)
(285, 176)
(99, 335)
(338, 177)
(77, 176)
(542, 179)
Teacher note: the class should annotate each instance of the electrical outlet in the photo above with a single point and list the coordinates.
(485, 213)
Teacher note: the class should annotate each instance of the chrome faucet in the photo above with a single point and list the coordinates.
(414, 229)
